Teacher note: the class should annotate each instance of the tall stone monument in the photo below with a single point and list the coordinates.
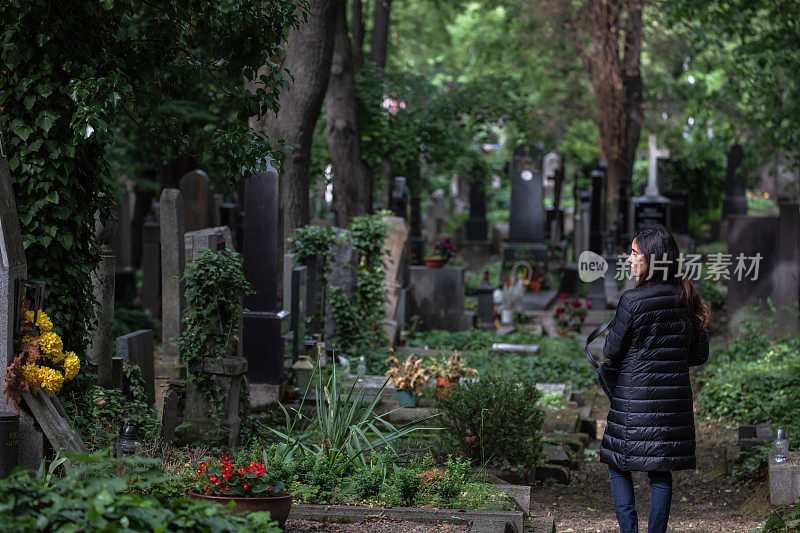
(526, 224)
(652, 208)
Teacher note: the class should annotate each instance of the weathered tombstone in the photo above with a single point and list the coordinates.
(526, 221)
(297, 309)
(100, 339)
(169, 416)
(137, 348)
(173, 299)
(486, 303)
(437, 296)
(437, 214)
(263, 342)
(569, 281)
(198, 200)
(215, 238)
(477, 225)
(398, 197)
(786, 283)
(746, 236)
(342, 279)
(395, 273)
(151, 268)
(416, 240)
(735, 201)
(652, 208)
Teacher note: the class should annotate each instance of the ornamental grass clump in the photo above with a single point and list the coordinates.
(42, 363)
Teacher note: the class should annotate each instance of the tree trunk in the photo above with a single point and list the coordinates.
(352, 178)
(617, 88)
(380, 32)
(358, 34)
(308, 58)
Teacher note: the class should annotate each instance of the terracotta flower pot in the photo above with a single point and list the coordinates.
(563, 332)
(278, 506)
(443, 386)
(435, 261)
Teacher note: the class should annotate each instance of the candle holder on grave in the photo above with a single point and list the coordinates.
(23, 287)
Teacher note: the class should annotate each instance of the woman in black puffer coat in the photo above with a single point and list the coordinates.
(660, 330)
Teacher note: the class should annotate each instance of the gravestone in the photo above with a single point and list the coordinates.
(137, 349)
(596, 291)
(735, 201)
(786, 283)
(262, 335)
(395, 274)
(151, 268)
(398, 197)
(215, 238)
(652, 208)
(173, 288)
(437, 297)
(437, 214)
(342, 279)
(169, 416)
(746, 236)
(550, 218)
(678, 211)
(198, 201)
(122, 234)
(103, 279)
(477, 226)
(526, 219)
(13, 269)
(297, 309)
(416, 241)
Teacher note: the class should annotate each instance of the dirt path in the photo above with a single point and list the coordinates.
(703, 500)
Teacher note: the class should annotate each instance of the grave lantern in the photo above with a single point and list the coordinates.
(129, 444)
(303, 369)
(36, 304)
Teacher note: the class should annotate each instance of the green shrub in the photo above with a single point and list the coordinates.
(406, 482)
(367, 482)
(91, 497)
(495, 419)
(711, 294)
(456, 475)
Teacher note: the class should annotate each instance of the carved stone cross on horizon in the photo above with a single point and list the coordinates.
(654, 154)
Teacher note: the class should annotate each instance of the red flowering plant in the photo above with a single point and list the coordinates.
(446, 248)
(223, 477)
(570, 314)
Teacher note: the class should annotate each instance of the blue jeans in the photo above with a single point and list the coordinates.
(624, 503)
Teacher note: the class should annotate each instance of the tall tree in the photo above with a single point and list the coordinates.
(380, 32)
(358, 33)
(308, 57)
(352, 177)
(616, 84)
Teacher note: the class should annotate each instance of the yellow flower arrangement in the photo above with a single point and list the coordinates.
(53, 366)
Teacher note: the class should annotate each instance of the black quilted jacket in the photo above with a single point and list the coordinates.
(651, 424)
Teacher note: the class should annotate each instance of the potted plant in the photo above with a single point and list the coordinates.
(448, 370)
(570, 314)
(250, 486)
(215, 288)
(442, 253)
(408, 378)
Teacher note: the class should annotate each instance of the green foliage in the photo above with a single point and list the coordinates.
(712, 296)
(473, 279)
(456, 475)
(406, 482)
(495, 419)
(102, 494)
(309, 241)
(367, 482)
(779, 522)
(215, 287)
(345, 429)
(66, 100)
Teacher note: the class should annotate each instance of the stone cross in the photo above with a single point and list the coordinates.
(654, 154)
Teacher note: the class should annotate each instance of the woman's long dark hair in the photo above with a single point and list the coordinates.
(661, 255)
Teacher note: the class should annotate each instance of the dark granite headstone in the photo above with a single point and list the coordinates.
(550, 216)
(416, 240)
(735, 201)
(526, 217)
(398, 197)
(298, 309)
(678, 211)
(263, 343)
(650, 211)
(198, 200)
(477, 226)
(151, 269)
(598, 214)
(169, 416)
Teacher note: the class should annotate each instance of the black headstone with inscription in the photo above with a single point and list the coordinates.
(477, 226)
(262, 336)
(735, 201)
(526, 220)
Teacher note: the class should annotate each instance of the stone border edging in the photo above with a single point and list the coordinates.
(481, 521)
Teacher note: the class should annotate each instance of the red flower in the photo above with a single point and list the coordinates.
(588, 304)
(212, 478)
(562, 296)
(245, 486)
(559, 311)
(583, 316)
(576, 303)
